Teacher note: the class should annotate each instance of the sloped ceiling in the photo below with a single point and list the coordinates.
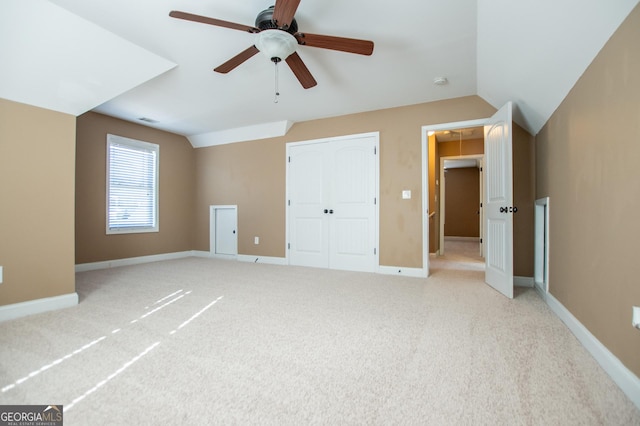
(53, 59)
(117, 57)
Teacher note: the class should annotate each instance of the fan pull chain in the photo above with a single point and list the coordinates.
(277, 93)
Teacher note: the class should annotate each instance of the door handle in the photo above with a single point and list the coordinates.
(326, 211)
(331, 211)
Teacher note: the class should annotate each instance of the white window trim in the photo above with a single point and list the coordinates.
(114, 139)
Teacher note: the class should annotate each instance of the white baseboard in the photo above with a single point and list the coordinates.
(400, 270)
(621, 375)
(178, 255)
(523, 282)
(209, 255)
(262, 259)
(464, 239)
(82, 267)
(37, 306)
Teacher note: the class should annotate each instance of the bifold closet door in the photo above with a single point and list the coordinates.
(332, 187)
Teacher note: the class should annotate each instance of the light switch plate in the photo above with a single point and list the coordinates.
(406, 194)
(0, 274)
(635, 321)
(256, 240)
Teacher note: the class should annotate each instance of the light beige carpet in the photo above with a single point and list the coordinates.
(201, 341)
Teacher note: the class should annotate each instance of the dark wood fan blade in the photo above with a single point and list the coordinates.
(237, 60)
(212, 21)
(284, 11)
(300, 70)
(351, 45)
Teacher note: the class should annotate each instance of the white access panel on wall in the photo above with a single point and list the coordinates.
(332, 211)
(223, 237)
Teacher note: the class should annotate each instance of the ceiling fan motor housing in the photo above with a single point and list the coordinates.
(264, 21)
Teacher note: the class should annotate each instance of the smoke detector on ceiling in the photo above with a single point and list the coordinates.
(440, 81)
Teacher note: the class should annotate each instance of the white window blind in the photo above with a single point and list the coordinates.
(132, 185)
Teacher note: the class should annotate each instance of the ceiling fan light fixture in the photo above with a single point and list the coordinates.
(277, 45)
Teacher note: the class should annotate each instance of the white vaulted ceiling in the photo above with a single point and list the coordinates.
(129, 59)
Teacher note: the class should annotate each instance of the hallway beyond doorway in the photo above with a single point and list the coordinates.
(462, 255)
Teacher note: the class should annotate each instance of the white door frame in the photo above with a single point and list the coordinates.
(289, 145)
(443, 194)
(425, 178)
(212, 231)
(541, 245)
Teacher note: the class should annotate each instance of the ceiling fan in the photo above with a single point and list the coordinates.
(277, 38)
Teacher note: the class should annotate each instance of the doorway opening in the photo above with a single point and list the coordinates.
(431, 195)
(458, 147)
(498, 206)
(461, 211)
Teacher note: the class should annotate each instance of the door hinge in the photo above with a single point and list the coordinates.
(288, 246)
(374, 250)
(480, 205)
(375, 150)
(480, 240)
(288, 202)
(289, 158)
(375, 201)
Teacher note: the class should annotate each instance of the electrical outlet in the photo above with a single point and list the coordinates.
(256, 240)
(0, 274)
(635, 321)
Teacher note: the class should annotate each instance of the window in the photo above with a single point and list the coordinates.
(132, 185)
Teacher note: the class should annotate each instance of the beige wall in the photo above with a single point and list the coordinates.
(252, 175)
(462, 202)
(524, 190)
(455, 149)
(176, 192)
(587, 163)
(37, 154)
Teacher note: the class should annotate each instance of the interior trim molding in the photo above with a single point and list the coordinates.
(93, 266)
(467, 239)
(523, 281)
(621, 375)
(37, 306)
(262, 259)
(400, 270)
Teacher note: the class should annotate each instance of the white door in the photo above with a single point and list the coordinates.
(353, 202)
(499, 202)
(226, 237)
(332, 204)
(309, 231)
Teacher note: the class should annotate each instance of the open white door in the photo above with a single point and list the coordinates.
(499, 208)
